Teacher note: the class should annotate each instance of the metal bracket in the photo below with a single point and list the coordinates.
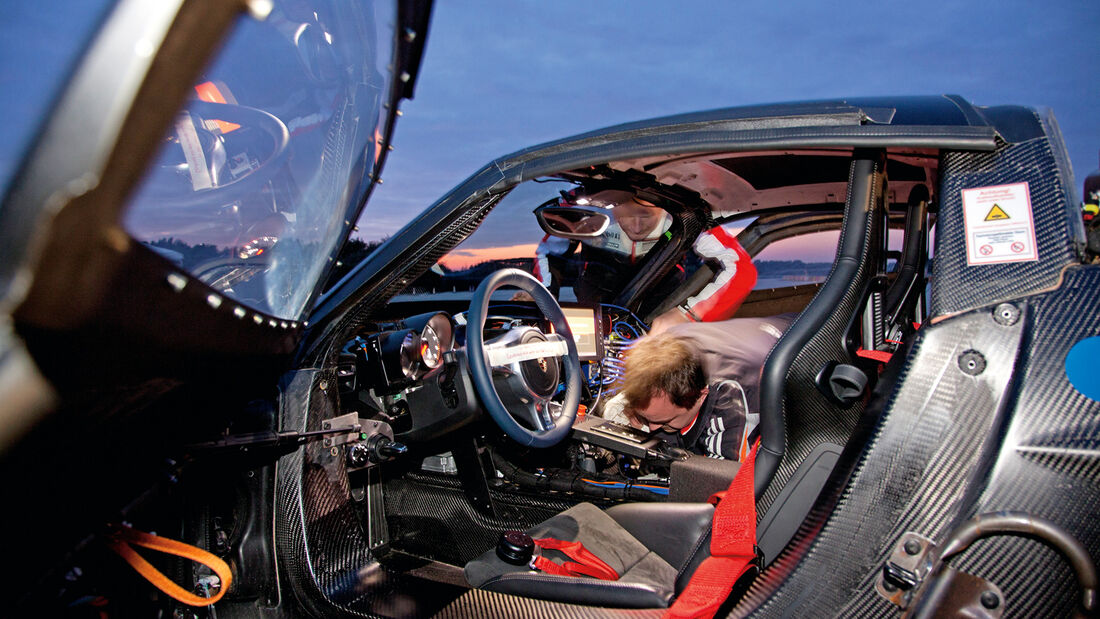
(916, 580)
(349, 422)
(906, 568)
(951, 593)
(473, 472)
(363, 452)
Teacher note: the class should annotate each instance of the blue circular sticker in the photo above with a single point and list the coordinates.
(1082, 367)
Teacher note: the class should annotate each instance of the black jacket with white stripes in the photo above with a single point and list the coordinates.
(733, 354)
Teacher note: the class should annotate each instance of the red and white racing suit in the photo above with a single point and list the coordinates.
(733, 281)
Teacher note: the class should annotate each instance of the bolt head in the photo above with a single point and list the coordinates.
(972, 362)
(990, 600)
(1006, 314)
(358, 455)
(912, 547)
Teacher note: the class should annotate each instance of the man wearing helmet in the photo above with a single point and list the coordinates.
(610, 260)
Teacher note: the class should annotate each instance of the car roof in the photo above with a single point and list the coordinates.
(920, 124)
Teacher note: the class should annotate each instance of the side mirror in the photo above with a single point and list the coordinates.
(573, 222)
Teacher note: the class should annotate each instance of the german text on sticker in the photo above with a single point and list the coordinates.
(999, 224)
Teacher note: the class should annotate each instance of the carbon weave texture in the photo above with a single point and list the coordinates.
(318, 531)
(422, 259)
(478, 603)
(316, 561)
(810, 419)
(433, 518)
(1050, 466)
(920, 462)
(958, 287)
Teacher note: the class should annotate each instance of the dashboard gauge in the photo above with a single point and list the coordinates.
(437, 337)
(399, 357)
(410, 354)
(431, 348)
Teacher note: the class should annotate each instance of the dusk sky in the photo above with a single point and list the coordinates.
(501, 76)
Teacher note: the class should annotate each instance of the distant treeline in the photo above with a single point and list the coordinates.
(441, 278)
(191, 255)
(781, 268)
(352, 254)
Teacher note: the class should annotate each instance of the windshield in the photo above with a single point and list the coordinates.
(589, 270)
(260, 177)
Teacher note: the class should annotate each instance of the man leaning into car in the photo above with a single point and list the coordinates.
(698, 383)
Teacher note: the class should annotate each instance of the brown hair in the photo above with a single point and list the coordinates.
(663, 363)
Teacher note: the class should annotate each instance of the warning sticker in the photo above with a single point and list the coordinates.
(999, 225)
(996, 213)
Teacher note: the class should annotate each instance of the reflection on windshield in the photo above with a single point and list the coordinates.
(260, 175)
(594, 269)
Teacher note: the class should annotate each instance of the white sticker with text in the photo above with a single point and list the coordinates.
(504, 355)
(999, 225)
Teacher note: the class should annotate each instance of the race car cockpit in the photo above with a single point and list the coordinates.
(347, 412)
(470, 368)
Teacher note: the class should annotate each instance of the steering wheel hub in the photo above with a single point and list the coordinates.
(540, 374)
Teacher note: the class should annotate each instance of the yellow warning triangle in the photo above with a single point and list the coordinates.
(996, 213)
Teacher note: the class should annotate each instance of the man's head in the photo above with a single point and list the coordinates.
(638, 220)
(663, 381)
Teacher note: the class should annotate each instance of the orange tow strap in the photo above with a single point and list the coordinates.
(120, 539)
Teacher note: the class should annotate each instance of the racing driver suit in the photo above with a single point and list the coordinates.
(608, 262)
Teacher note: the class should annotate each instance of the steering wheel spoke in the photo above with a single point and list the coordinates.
(506, 351)
(519, 374)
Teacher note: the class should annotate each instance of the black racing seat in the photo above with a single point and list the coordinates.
(802, 432)
(654, 547)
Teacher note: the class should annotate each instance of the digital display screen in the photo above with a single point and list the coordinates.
(584, 324)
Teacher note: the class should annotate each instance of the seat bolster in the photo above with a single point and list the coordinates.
(636, 589)
(672, 530)
(700, 552)
(645, 579)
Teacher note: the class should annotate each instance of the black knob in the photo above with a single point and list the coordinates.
(381, 448)
(358, 455)
(515, 547)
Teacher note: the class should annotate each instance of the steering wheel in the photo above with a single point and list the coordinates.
(517, 374)
(262, 128)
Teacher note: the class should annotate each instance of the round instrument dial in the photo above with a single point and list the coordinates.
(431, 348)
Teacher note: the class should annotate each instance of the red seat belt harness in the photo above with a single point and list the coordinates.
(518, 548)
(584, 562)
(733, 550)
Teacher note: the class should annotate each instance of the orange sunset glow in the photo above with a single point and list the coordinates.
(465, 258)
